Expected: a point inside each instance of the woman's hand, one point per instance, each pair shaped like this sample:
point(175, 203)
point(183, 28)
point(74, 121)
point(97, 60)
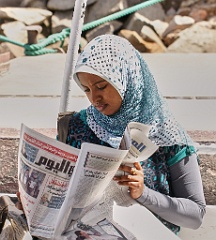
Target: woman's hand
point(19, 204)
point(134, 179)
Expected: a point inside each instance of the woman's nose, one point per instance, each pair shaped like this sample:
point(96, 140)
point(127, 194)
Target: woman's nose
point(95, 97)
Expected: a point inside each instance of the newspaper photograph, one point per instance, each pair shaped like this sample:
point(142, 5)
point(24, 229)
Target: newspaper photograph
point(103, 229)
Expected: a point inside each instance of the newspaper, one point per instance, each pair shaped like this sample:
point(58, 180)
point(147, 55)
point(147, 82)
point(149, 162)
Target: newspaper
point(66, 191)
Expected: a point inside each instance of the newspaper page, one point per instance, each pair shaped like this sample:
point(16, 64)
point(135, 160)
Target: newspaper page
point(95, 168)
point(45, 167)
point(136, 140)
point(91, 209)
point(62, 186)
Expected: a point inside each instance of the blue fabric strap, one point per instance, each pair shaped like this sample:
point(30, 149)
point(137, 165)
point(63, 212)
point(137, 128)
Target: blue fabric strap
point(186, 151)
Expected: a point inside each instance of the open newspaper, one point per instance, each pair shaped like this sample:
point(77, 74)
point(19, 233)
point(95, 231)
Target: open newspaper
point(67, 192)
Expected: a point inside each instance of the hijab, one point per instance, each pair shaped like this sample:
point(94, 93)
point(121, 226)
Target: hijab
point(114, 59)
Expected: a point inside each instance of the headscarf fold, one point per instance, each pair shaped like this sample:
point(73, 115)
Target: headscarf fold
point(119, 63)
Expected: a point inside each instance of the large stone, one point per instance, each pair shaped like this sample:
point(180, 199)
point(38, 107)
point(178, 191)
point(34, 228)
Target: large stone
point(29, 16)
point(61, 20)
point(171, 37)
point(106, 28)
point(17, 36)
point(189, 3)
point(64, 5)
point(209, 8)
point(136, 22)
point(135, 39)
point(133, 2)
point(16, 32)
point(179, 22)
point(200, 38)
point(153, 12)
point(148, 34)
point(34, 3)
point(159, 27)
point(4, 62)
point(10, 3)
point(184, 11)
point(83, 43)
point(199, 15)
point(168, 4)
point(139, 43)
point(208, 172)
point(8, 165)
point(104, 8)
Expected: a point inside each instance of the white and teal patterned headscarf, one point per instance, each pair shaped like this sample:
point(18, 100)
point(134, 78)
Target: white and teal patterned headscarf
point(118, 62)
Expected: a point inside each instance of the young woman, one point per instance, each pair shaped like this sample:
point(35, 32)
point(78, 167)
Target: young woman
point(121, 89)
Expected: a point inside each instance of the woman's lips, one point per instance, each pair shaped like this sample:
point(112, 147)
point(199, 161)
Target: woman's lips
point(101, 107)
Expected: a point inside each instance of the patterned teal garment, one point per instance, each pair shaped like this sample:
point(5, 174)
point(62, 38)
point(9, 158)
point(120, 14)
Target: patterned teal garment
point(156, 169)
point(114, 59)
point(118, 62)
point(80, 132)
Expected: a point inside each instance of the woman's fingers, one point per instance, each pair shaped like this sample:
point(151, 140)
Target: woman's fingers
point(138, 166)
point(18, 195)
point(130, 171)
point(19, 204)
point(133, 179)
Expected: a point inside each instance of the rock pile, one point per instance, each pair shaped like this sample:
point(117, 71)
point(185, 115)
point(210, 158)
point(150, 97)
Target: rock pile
point(169, 26)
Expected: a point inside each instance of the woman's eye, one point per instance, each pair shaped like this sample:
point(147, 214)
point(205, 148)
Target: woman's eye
point(101, 87)
point(86, 90)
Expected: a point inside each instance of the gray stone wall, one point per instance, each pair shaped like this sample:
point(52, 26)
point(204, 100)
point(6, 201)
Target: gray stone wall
point(8, 169)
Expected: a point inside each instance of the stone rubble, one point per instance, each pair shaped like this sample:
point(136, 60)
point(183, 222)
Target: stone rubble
point(169, 26)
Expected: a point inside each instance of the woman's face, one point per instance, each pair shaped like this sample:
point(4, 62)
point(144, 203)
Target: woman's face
point(44, 198)
point(102, 95)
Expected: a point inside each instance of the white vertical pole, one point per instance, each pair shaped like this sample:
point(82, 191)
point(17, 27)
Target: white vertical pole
point(72, 52)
